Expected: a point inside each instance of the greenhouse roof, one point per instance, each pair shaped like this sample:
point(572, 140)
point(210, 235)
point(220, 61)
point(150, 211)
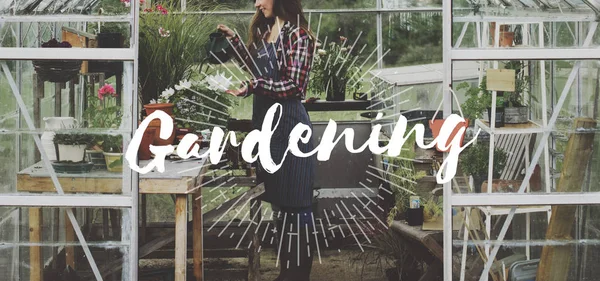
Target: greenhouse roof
point(30, 7)
point(427, 73)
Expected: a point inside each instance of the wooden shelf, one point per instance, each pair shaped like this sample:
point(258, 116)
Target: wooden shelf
point(501, 211)
point(347, 105)
point(526, 128)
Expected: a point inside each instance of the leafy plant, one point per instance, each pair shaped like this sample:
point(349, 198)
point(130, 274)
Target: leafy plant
point(102, 110)
point(170, 46)
point(478, 99)
point(475, 159)
point(67, 138)
point(334, 69)
point(201, 105)
point(112, 143)
point(516, 98)
point(432, 208)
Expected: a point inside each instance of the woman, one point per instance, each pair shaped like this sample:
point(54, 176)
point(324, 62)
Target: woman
point(279, 56)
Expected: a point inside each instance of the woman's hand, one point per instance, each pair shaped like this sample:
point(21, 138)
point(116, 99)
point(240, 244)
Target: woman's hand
point(238, 92)
point(225, 30)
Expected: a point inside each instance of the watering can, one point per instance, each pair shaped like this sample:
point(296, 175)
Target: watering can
point(216, 48)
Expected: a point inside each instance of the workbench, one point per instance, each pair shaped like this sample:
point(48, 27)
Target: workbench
point(181, 179)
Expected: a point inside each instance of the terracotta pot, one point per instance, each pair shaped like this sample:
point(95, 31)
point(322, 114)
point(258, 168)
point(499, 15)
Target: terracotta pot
point(147, 139)
point(157, 140)
point(506, 36)
point(436, 125)
point(166, 107)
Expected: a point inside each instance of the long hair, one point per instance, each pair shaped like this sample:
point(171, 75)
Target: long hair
point(288, 10)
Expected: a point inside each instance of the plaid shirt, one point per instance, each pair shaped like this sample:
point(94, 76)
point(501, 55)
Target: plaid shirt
point(294, 56)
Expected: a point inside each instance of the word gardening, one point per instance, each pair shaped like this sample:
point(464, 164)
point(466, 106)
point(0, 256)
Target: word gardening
point(303, 133)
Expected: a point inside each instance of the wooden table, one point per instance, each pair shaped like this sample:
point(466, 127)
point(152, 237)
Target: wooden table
point(180, 179)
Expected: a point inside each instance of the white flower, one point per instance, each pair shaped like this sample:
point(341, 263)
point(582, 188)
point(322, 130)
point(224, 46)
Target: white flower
point(183, 84)
point(127, 4)
point(344, 49)
point(218, 82)
point(167, 93)
point(152, 101)
point(318, 45)
point(322, 52)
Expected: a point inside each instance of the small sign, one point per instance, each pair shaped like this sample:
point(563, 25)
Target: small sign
point(501, 80)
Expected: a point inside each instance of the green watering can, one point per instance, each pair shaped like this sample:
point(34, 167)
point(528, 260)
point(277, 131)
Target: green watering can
point(217, 48)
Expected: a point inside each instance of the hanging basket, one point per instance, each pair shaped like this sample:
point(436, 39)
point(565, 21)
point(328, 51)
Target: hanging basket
point(57, 71)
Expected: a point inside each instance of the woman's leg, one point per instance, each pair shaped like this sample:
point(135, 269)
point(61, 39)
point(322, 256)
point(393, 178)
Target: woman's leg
point(295, 248)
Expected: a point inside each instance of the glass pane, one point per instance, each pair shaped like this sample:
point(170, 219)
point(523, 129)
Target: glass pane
point(564, 244)
point(521, 23)
point(42, 241)
point(63, 7)
point(81, 117)
point(525, 104)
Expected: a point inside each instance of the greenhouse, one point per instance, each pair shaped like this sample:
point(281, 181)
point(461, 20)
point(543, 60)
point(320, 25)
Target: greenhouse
point(171, 140)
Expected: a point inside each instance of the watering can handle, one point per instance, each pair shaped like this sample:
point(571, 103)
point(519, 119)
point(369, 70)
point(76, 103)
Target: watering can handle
point(441, 102)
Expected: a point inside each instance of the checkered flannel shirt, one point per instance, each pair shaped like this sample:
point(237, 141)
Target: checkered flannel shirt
point(295, 52)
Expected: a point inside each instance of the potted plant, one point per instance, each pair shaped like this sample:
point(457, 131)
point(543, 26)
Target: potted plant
point(432, 208)
point(71, 146)
point(202, 105)
point(479, 99)
point(113, 152)
point(475, 162)
point(334, 71)
point(102, 112)
point(58, 71)
point(516, 110)
point(162, 103)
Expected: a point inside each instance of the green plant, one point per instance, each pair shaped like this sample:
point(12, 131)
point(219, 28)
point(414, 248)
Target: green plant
point(102, 110)
point(334, 69)
point(112, 143)
point(478, 99)
point(68, 138)
point(475, 160)
point(433, 207)
point(202, 105)
point(516, 98)
point(170, 46)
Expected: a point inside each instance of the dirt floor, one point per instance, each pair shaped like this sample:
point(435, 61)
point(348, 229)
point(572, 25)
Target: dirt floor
point(344, 265)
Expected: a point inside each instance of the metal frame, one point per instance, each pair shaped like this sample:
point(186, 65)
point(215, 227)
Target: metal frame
point(488, 54)
point(129, 198)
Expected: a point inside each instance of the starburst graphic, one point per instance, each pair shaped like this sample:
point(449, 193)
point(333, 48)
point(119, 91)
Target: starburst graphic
point(352, 217)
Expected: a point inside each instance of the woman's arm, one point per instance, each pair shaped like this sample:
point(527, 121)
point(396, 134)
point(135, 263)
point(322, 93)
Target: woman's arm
point(295, 61)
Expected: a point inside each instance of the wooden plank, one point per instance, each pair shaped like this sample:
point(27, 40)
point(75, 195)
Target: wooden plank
point(424, 237)
point(165, 186)
point(69, 185)
point(69, 237)
point(57, 100)
point(72, 98)
point(501, 80)
point(35, 252)
point(253, 252)
point(197, 229)
point(241, 198)
point(180, 237)
point(38, 94)
point(555, 260)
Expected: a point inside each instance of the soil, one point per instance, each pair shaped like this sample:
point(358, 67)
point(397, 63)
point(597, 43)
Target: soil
point(343, 265)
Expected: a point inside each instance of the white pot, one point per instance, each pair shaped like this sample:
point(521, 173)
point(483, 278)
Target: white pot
point(75, 153)
point(50, 125)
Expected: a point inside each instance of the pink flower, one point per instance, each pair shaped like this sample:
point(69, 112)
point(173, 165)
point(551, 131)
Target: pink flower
point(342, 38)
point(106, 90)
point(161, 9)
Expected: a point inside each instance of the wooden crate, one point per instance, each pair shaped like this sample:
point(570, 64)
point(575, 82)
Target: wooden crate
point(79, 39)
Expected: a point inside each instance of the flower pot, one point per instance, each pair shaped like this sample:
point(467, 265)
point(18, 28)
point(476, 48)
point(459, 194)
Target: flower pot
point(499, 116)
point(74, 153)
point(147, 139)
point(436, 126)
point(97, 158)
point(516, 115)
point(478, 181)
point(166, 107)
point(157, 140)
point(50, 124)
point(114, 161)
point(336, 91)
point(506, 36)
point(414, 216)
